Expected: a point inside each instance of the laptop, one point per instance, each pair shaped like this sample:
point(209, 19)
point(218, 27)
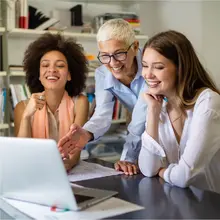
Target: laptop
point(32, 170)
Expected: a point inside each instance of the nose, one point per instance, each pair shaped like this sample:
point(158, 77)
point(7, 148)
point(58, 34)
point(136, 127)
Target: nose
point(52, 68)
point(147, 73)
point(113, 61)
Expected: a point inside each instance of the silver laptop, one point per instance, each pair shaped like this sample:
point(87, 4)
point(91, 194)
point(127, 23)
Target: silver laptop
point(32, 170)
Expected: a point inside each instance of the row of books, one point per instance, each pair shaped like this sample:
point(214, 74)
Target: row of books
point(119, 112)
point(18, 93)
point(2, 104)
point(15, 13)
point(131, 17)
point(18, 14)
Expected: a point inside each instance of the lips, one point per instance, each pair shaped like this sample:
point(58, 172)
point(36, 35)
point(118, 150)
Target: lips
point(153, 84)
point(117, 69)
point(52, 77)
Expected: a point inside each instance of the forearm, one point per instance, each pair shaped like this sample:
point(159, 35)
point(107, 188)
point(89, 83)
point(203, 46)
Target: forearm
point(100, 122)
point(153, 123)
point(152, 157)
point(25, 129)
point(149, 163)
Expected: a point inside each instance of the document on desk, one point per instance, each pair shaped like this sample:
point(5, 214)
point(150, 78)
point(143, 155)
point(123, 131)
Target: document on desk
point(85, 170)
point(108, 208)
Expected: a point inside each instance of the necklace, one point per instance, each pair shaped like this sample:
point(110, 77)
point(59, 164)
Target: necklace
point(177, 118)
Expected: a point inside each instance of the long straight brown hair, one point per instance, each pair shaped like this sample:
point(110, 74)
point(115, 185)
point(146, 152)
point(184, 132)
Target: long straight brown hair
point(192, 78)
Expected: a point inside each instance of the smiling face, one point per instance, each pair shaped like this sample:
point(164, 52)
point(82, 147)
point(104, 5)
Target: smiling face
point(119, 69)
point(159, 73)
point(54, 70)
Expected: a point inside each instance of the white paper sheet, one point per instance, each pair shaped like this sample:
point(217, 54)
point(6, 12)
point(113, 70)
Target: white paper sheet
point(85, 171)
point(108, 208)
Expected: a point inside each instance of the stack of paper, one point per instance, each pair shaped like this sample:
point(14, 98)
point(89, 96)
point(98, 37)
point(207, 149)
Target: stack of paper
point(85, 170)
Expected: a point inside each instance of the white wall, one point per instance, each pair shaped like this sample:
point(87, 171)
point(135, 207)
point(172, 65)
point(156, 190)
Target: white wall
point(211, 37)
point(198, 20)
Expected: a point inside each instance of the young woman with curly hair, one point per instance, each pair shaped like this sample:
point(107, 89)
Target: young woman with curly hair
point(56, 71)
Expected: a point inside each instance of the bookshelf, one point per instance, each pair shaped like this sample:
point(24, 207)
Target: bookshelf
point(27, 33)
point(3, 73)
point(21, 73)
point(119, 121)
point(2, 30)
point(4, 126)
point(16, 41)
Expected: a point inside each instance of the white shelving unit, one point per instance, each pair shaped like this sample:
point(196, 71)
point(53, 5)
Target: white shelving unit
point(21, 73)
point(119, 121)
point(3, 73)
point(4, 126)
point(91, 74)
point(2, 30)
point(18, 73)
point(16, 40)
point(27, 33)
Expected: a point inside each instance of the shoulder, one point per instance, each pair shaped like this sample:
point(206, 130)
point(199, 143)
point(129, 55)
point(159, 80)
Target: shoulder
point(20, 107)
point(81, 99)
point(101, 71)
point(208, 100)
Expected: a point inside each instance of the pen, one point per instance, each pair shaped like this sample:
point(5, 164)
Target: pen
point(55, 209)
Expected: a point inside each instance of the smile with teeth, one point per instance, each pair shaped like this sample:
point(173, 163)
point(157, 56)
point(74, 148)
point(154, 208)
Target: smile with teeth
point(52, 77)
point(153, 84)
point(117, 68)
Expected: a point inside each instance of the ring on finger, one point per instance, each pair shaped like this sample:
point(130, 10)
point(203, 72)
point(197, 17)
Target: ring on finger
point(41, 97)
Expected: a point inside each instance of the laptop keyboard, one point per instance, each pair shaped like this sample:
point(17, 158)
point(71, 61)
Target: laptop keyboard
point(80, 198)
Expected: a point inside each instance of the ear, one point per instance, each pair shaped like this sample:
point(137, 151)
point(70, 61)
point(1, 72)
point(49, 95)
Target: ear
point(68, 77)
point(136, 46)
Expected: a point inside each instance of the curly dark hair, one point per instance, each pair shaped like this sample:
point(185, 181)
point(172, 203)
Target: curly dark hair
point(77, 62)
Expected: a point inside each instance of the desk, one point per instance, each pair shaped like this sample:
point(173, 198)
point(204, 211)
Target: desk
point(160, 199)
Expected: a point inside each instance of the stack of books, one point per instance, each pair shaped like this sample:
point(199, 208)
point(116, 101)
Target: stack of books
point(2, 104)
point(130, 17)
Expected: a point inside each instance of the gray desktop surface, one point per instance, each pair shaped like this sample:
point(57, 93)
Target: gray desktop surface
point(160, 199)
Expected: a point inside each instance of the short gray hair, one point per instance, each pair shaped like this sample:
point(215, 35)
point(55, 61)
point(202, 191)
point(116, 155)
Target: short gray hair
point(117, 29)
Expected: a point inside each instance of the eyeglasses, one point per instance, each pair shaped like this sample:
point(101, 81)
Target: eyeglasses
point(120, 56)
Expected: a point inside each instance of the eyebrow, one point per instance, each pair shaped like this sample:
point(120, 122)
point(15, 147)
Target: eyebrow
point(119, 50)
point(56, 61)
point(153, 62)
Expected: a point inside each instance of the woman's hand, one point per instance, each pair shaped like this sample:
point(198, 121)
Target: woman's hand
point(127, 167)
point(74, 140)
point(161, 172)
point(153, 101)
point(71, 160)
point(37, 101)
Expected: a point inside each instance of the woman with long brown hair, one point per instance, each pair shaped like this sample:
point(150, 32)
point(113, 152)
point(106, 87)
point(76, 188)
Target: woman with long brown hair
point(181, 142)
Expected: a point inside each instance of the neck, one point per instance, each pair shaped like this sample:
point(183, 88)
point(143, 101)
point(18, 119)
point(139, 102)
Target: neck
point(53, 99)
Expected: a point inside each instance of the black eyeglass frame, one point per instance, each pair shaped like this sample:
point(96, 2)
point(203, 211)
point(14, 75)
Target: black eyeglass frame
point(113, 55)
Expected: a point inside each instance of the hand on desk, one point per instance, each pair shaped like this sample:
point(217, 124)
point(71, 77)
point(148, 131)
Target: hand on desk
point(127, 167)
point(71, 160)
point(74, 140)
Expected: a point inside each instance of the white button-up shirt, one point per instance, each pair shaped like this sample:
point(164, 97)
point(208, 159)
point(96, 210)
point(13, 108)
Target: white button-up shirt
point(196, 160)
